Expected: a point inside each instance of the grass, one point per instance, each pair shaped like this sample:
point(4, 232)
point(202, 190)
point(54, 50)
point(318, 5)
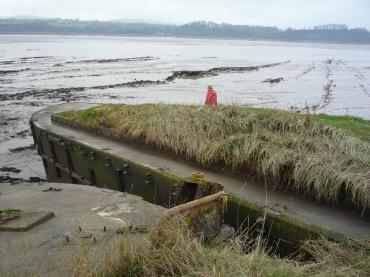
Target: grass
point(353, 126)
point(174, 251)
point(321, 156)
point(9, 210)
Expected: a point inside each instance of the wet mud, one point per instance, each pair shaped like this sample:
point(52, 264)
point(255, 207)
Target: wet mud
point(364, 86)
point(4, 120)
point(24, 60)
point(327, 89)
point(305, 72)
point(22, 148)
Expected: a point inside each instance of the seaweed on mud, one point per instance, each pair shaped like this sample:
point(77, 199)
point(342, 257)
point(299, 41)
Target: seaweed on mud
point(325, 98)
point(135, 59)
point(66, 93)
point(22, 148)
point(6, 120)
point(8, 179)
point(5, 72)
point(23, 60)
point(197, 74)
point(36, 58)
point(273, 80)
point(9, 169)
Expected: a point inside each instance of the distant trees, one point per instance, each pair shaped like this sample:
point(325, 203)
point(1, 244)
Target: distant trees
point(331, 27)
point(321, 33)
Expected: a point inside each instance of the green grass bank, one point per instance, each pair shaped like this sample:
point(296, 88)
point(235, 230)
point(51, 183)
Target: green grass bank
point(325, 157)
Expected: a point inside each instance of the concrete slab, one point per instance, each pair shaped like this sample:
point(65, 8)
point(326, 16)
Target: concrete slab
point(25, 221)
point(86, 218)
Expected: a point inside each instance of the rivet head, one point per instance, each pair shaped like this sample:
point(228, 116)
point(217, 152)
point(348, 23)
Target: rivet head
point(149, 178)
point(93, 156)
point(108, 162)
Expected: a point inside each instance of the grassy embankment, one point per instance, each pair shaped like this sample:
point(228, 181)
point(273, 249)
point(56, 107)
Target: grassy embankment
point(327, 157)
point(173, 251)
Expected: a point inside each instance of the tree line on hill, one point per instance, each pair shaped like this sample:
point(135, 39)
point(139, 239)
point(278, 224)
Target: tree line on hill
point(338, 33)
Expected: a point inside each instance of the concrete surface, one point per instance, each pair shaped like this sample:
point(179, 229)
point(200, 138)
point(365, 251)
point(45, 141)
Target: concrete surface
point(84, 217)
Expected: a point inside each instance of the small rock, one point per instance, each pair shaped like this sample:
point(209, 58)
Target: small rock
point(226, 232)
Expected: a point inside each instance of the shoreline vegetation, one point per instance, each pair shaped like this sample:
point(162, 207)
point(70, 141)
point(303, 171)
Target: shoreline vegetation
point(330, 33)
point(172, 250)
point(324, 157)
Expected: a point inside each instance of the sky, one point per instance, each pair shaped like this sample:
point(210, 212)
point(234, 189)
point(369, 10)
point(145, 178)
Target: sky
point(280, 13)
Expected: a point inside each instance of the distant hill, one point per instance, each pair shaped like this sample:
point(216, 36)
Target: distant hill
point(324, 33)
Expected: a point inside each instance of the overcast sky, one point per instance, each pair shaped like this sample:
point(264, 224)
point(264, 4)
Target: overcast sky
point(280, 13)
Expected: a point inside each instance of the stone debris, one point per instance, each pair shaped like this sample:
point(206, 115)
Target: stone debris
point(52, 189)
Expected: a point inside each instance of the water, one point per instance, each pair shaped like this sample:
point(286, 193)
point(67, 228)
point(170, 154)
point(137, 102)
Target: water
point(324, 78)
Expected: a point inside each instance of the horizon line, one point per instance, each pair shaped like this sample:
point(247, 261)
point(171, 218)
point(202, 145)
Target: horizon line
point(159, 22)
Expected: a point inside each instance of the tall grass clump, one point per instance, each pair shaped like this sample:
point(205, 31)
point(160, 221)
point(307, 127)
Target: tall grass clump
point(174, 251)
point(300, 153)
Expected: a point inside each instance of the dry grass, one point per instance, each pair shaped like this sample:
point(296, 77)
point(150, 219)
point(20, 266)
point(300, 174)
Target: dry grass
point(175, 252)
point(298, 152)
point(348, 258)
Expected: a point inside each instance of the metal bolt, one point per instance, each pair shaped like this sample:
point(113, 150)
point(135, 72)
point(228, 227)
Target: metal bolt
point(108, 162)
point(149, 178)
point(93, 156)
